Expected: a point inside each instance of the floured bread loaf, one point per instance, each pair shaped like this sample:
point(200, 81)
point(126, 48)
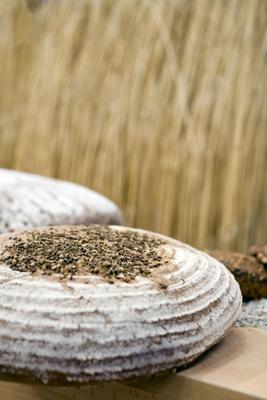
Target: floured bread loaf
point(98, 303)
point(30, 200)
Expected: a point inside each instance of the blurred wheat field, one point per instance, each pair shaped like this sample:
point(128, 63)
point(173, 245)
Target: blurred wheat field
point(159, 104)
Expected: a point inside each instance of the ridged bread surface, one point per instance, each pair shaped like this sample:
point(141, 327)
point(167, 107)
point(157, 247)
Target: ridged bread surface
point(28, 200)
point(88, 329)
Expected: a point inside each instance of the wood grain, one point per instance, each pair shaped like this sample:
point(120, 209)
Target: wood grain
point(236, 367)
point(234, 370)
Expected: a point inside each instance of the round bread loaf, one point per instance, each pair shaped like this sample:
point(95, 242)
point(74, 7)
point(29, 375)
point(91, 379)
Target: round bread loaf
point(28, 200)
point(83, 303)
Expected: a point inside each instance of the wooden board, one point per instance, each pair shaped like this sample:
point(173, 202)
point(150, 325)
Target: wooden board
point(236, 369)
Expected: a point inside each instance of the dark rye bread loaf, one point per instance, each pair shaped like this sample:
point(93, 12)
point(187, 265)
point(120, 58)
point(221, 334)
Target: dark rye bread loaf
point(98, 303)
point(248, 271)
point(260, 252)
point(28, 200)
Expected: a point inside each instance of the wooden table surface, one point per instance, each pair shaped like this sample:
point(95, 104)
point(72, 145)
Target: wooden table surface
point(235, 369)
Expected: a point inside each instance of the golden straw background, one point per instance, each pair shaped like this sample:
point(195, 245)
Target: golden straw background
point(159, 104)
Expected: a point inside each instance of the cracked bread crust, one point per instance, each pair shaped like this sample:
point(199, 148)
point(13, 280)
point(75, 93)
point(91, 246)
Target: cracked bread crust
point(260, 252)
point(248, 271)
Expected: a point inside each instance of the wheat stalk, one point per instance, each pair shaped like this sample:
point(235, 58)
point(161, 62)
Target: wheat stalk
point(160, 105)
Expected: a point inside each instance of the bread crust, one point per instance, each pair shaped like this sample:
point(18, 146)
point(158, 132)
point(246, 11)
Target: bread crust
point(28, 200)
point(87, 329)
point(260, 252)
point(248, 271)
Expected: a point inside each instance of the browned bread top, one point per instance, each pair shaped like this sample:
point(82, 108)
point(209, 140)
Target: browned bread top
point(248, 271)
point(260, 252)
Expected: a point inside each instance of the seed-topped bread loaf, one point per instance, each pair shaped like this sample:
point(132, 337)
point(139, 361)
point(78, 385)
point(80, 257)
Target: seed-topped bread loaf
point(28, 200)
point(83, 303)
